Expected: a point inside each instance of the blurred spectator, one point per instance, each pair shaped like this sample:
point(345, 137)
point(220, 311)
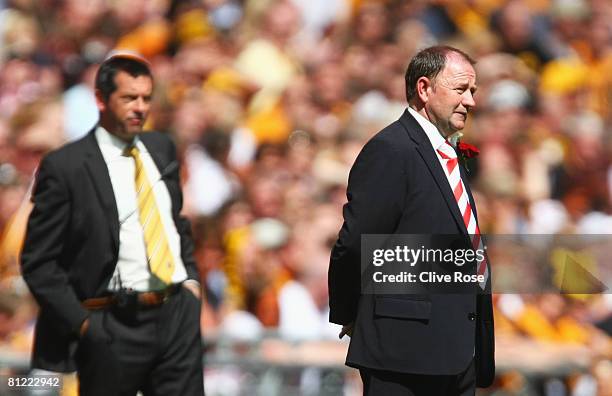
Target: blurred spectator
point(210, 163)
point(523, 33)
point(80, 110)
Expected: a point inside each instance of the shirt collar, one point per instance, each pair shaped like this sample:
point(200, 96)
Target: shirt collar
point(110, 143)
point(434, 136)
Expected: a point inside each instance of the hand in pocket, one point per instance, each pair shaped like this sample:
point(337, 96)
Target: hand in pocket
point(95, 331)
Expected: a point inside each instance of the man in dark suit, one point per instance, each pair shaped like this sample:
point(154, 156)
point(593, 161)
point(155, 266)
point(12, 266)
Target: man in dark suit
point(407, 180)
point(107, 255)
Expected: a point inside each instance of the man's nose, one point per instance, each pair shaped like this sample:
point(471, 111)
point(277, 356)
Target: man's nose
point(141, 105)
point(468, 99)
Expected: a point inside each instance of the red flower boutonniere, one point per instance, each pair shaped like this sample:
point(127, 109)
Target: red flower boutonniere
point(466, 152)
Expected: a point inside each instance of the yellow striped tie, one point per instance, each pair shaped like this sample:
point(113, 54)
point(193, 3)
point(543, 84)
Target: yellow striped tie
point(161, 262)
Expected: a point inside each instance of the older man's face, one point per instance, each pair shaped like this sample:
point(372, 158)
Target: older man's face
point(451, 95)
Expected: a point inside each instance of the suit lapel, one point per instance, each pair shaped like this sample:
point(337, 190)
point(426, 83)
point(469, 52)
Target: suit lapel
point(163, 165)
point(98, 172)
point(426, 152)
point(464, 177)
point(155, 153)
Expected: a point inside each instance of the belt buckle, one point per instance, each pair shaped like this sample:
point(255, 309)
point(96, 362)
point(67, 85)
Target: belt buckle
point(126, 299)
point(121, 298)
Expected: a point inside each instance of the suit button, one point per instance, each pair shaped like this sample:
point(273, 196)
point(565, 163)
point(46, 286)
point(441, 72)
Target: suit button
point(471, 316)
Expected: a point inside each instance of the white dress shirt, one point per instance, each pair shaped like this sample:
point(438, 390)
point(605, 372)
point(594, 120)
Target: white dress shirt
point(436, 139)
point(132, 270)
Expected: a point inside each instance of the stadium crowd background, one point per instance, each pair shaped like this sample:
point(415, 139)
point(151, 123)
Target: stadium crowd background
point(269, 103)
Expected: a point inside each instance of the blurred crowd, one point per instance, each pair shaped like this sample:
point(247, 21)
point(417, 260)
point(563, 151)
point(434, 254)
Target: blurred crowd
point(270, 101)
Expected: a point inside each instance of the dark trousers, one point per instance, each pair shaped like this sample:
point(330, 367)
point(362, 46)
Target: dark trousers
point(387, 383)
point(156, 350)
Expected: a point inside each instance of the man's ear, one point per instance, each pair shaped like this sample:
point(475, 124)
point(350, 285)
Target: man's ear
point(100, 101)
point(423, 88)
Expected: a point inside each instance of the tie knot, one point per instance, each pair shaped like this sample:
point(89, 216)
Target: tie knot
point(131, 151)
point(447, 151)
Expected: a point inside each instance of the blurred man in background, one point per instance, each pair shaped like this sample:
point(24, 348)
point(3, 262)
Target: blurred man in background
point(108, 256)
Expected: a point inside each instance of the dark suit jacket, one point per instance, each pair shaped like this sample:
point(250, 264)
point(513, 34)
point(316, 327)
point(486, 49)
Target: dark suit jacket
point(397, 186)
point(72, 240)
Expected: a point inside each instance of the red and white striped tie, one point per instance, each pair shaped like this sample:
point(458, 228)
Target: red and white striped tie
point(449, 157)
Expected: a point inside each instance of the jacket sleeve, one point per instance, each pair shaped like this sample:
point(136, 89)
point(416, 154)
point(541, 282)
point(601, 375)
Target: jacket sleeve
point(376, 193)
point(43, 248)
point(187, 248)
point(183, 226)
